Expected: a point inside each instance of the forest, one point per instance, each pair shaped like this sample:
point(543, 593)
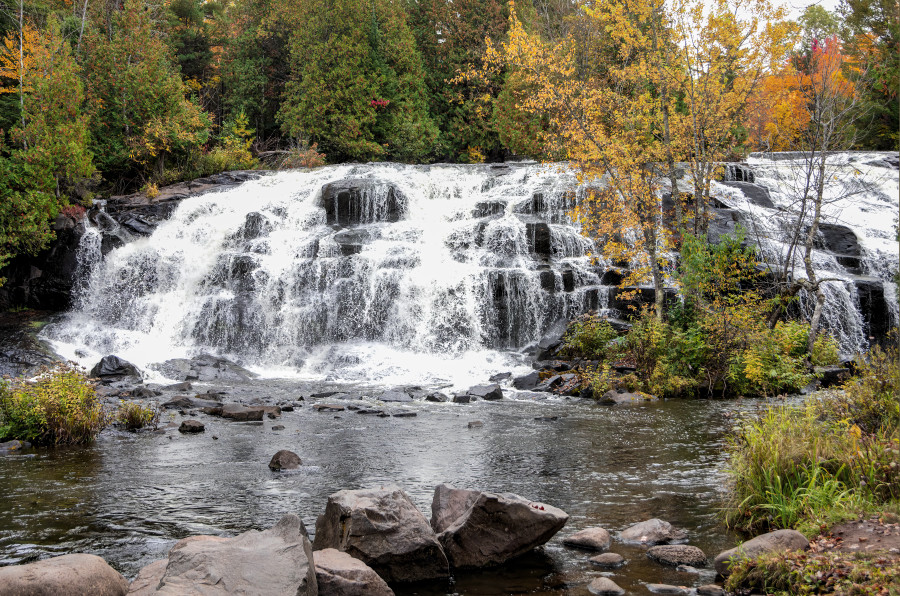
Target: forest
point(98, 98)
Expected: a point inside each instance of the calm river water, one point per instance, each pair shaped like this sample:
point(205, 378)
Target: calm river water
point(129, 497)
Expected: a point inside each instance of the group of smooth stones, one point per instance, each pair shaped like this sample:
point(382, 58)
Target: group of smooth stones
point(364, 541)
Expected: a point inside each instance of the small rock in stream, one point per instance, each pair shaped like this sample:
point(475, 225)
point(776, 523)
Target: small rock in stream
point(476, 424)
point(666, 589)
point(191, 426)
point(285, 460)
point(603, 586)
point(277, 427)
point(608, 560)
point(589, 539)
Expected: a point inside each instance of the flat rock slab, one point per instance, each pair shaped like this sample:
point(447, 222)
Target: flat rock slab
point(275, 561)
point(677, 554)
point(779, 540)
point(495, 528)
point(339, 574)
point(184, 402)
point(383, 529)
point(237, 412)
point(710, 590)
point(68, 575)
point(148, 578)
point(589, 539)
point(486, 392)
point(650, 532)
point(615, 398)
point(395, 396)
point(667, 589)
point(328, 408)
point(608, 560)
point(603, 586)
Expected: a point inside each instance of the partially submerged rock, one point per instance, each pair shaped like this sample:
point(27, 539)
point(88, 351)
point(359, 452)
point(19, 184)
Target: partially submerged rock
point(603, 586)
point(382, 528)
point(608, 560)
point(589, 539)
point(285, 460)
point(493, 528)
point(68, 575)
point(650, 532)
point(677, 554)
point(779, 540)
point(339, 574)
point(191, 426)
point(112, 368)
point(275, 561)
point(237, 412)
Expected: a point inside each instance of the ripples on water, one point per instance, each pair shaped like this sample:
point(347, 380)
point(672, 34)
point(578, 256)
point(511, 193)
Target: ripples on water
point(129, 497)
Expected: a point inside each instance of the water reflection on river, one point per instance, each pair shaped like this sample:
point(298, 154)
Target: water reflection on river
point(130, 496)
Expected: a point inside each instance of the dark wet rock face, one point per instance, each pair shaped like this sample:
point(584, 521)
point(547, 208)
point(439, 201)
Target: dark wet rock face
point(355, 201)
point(68, 575)
point(383, 529)
point(111, 369)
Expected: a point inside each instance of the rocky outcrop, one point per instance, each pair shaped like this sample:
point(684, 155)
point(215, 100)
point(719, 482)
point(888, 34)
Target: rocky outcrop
point(650, 532)
point(354, 201)
point(275, 561)
point(204, 368)
point(68, 575)
point(779, 540)
point(339, 574)
point(383, 529)
point(494, 528)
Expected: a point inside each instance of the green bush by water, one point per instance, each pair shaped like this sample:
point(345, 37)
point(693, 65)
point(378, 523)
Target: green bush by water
point(59, 407)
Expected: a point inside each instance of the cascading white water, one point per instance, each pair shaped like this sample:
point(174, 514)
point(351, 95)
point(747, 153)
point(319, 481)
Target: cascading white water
point(859, 216)
point(425, 273)
point(400, 274)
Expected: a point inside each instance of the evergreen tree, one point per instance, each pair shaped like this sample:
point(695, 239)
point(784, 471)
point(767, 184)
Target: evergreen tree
point(139, 109)
point(357, 83)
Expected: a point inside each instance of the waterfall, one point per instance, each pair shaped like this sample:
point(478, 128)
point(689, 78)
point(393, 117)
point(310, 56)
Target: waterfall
point(321, 272)
point(396, 273)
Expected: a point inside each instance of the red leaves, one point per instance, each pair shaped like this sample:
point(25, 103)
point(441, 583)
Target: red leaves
point(379, 103)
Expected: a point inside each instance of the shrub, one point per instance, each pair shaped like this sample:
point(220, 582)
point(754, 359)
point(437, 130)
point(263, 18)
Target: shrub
point(590, 337)
point(303, 157)
point(825, 352)
point(773, 362)
point(134, 416)
point(59, 407)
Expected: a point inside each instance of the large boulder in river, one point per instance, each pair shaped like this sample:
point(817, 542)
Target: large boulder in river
point(339, 574)
point(486, 392)
point(275, 561)
point(112, 368)
point(650, 532)
point(779, 540)
point(68, 575)
point(493, 528)
point(383, 529)
point(285, 460)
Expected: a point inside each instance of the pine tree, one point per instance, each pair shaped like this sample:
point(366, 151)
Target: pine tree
point(357, 83)
point(140, 113)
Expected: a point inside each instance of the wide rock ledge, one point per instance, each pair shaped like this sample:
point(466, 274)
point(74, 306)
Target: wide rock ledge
point(383, 529)
point(275, 561)
point(494, 528)
point(68, 575)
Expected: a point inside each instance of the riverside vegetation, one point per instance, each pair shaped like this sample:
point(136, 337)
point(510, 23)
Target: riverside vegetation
point(61, 407)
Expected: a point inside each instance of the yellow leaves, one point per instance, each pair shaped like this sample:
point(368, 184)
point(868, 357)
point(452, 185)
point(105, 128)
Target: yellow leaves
point(13, 65)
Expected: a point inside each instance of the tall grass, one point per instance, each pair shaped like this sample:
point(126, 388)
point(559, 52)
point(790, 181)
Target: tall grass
point(806, 466)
